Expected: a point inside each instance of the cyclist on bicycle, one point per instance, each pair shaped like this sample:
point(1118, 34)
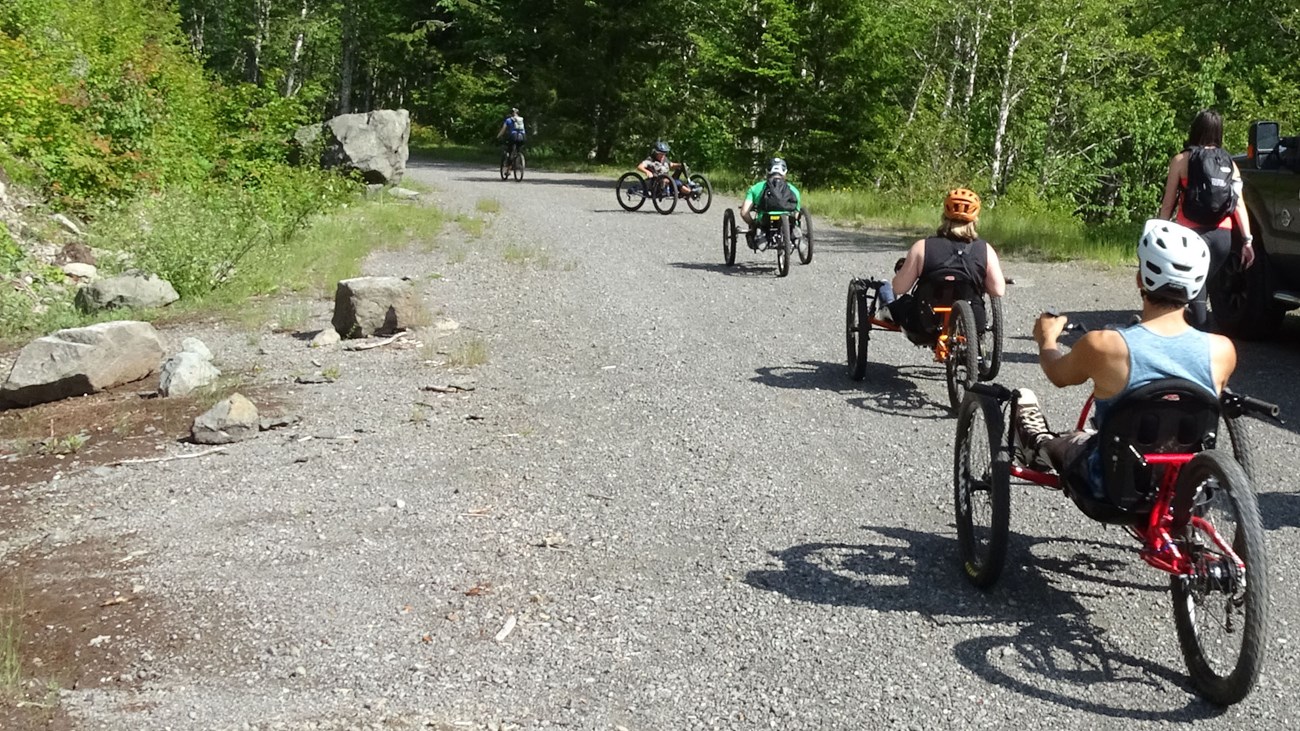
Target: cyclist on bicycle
point(955, 256)
point(658, 164)
point(512, 128)
point(772, 194)
point(1173, 264)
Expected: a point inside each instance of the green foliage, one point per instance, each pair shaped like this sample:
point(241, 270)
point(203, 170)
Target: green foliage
point(201, 238)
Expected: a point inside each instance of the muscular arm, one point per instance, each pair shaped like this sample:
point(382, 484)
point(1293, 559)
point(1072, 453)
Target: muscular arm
point(1170, 197)
point(644, 170)
point(1100, 356)
point(1223, 360)
point(913, 263)
point(994, 281)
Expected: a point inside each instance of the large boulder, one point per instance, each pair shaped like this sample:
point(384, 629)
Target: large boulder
point(82, 360)
point(128, 290)
point(372, 143)
point(231, 420)
point(367, 306)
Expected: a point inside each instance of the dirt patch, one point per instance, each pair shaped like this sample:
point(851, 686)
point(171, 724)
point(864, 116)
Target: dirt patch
point(70, 617)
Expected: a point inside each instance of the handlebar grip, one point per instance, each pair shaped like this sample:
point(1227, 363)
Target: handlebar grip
point(1263, 407)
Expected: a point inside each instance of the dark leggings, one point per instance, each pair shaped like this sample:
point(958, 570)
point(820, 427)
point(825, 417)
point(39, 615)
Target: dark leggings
point(1220, 242)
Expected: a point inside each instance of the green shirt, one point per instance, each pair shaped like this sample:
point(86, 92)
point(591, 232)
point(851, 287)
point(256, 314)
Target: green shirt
point(756, 192)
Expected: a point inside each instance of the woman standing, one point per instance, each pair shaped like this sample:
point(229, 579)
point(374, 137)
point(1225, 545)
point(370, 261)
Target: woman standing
point(1210, 169)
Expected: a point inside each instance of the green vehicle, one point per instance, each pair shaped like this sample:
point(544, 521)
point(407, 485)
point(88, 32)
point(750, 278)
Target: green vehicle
point(1250, 303)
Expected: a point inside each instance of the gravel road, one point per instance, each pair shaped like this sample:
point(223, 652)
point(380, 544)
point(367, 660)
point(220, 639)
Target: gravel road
point(664, 506)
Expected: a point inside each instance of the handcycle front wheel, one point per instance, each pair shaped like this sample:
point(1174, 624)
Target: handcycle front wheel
point(806, 239)
point(701, 196)
point(783, 249)
point(1221, 612)
point(990, 344)
point(631, 191)
point(663, 193)
point(981, 490)
point(518, 166)
point(729, 237)
point(858, 311)
point(962, 364)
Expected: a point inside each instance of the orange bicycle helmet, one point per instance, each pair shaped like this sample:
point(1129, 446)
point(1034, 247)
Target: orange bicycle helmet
point(962, 205)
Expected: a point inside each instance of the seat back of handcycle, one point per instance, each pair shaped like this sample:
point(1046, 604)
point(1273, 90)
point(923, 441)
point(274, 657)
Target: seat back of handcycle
point(1169, 416)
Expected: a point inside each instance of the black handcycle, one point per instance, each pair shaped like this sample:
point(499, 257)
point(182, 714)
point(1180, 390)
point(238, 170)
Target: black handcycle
point(664, 190)
point(786, 232)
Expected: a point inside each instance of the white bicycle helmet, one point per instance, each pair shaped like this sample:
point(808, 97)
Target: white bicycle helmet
point(1173, 260)
point(776, 166)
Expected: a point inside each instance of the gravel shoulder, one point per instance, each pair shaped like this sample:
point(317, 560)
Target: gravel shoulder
point(663, 506)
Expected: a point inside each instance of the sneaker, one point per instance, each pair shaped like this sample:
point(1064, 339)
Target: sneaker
point(883, 314)
point(1032, 432)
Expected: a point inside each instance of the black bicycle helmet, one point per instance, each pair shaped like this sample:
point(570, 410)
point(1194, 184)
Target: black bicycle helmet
point(661, 146)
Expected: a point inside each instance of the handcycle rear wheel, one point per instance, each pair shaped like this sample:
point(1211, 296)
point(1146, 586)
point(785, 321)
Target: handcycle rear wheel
point(631, 191)
point(729, 237)
point(981, 490)
point(663, 191)
point(1221, 614)
point(783, 250)
point(858, 311)
point(962, 364)
point(990, 354)
point(518, 166)
point(806, 236)
point(701, 196)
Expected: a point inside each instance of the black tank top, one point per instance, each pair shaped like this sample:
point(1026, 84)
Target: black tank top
point(946, 259)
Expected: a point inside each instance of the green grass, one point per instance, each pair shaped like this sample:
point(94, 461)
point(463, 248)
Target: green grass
point(471, 225)
point(488, 205)
point(468, 354)
point(524, 255)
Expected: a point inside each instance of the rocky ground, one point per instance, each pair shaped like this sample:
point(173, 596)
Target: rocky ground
point(629, 489)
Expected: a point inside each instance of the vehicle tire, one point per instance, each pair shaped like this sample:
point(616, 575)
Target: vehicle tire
point(701, 194)
point(519, 166)
point(1222, 670)
point(981, 490)
point(962, 365)
point(1239, 437)
point(663, 192)
point(729, 237)
point(783, 248)
point(806, 240)
point(505, 166)
point(631, 191)
point(1242, 299)
point(858, 311)
point(990, 355)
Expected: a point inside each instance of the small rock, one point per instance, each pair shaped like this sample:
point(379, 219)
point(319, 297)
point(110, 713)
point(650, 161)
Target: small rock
point(185, 372)
point(327, 337)
point(129, 290)
point(80, 271)
point(277, 422)
point(446, 324)
point(197, 347)
point(403, 193)
point(317, 377)
point(231, 420)
point(399, 504)
point(67, 224)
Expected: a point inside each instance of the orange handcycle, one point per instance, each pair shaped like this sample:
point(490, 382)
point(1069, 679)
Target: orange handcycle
point(1157, 472)
point(968, 353)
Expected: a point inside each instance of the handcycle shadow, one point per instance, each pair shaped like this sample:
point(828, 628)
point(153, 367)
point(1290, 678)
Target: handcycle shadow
point(1055, 646)
point(736, 270)
point(892, 390)
point(1279, 510)
point(892, 393)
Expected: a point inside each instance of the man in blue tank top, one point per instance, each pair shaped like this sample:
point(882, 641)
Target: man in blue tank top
point(1173, 262)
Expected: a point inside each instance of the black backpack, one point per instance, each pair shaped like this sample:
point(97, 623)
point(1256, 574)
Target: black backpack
point(1209, 196)
point(777, 196)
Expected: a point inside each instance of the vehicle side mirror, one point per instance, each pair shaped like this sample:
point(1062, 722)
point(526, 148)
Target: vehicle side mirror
point(1264, 138)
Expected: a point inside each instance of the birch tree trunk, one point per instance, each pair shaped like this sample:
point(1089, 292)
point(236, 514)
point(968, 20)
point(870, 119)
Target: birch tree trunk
point(295, 55)
point(1007, 100)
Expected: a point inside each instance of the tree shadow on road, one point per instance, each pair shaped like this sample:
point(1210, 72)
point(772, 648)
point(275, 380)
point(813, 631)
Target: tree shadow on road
point(1044, 646)
point(538, 178)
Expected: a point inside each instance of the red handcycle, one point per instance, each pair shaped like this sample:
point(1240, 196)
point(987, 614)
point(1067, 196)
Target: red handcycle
point(1190, 505)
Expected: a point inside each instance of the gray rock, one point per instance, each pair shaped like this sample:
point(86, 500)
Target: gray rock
point(373, 143)
point(82, 360)
point(367, 306)
point(80, 271)
point(127, 290)
point(197, 347)
point(325, 338)
point(231, 420)
point(404, 193)
point(185, 372)
point(67, 224)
